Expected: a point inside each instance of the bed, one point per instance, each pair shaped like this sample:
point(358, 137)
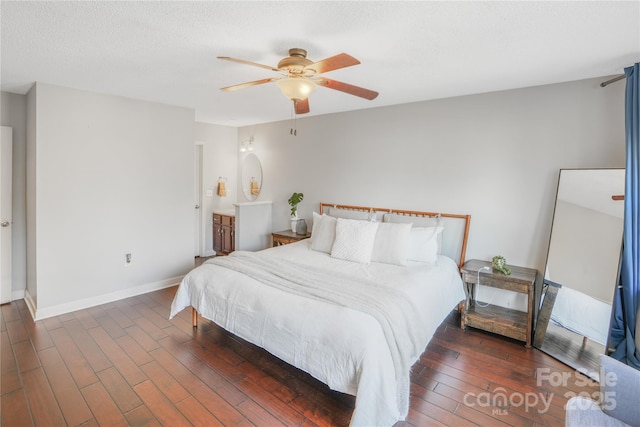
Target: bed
point(354, 306)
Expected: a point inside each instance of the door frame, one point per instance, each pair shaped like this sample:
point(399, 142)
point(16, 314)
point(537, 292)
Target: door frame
point(6, 163)
point(198, 191)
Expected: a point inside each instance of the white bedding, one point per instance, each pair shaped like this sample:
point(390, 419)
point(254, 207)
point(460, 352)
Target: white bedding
point(582, 314)
point(351, 350)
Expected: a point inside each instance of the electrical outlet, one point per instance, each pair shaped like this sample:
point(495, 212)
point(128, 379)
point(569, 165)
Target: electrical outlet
point(127, 258)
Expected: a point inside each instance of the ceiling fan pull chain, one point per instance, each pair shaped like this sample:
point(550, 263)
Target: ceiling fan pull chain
point(293, 131)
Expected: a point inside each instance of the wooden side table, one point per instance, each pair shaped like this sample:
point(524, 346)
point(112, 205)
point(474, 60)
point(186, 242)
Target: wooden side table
point(287, 236)
point(499, 320)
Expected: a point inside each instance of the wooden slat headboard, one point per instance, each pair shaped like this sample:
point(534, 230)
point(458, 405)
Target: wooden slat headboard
point(454, 236)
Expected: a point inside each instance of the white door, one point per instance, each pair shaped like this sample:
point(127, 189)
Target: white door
point(197, 193)
point(6, 147)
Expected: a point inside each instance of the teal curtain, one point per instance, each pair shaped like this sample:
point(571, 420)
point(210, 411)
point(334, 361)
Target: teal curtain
point(624, 331)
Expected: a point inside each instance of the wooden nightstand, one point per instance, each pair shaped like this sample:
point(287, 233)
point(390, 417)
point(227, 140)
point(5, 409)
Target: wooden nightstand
point(287, 236)
point(499, 320)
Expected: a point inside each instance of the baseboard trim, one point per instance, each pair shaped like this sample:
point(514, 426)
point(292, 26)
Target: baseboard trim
point(56, 310)
point(28, 299)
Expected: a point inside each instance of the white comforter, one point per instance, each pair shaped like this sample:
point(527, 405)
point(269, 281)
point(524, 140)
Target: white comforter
point(355, 341)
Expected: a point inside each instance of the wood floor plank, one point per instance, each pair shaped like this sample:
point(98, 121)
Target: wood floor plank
point(14, 409)
point(150, 328)
point(86, 319)
point(88, 348)
point(104, 409)
point(130, 346)
point(418, 419)
point(121, 361)
point(258, 415)
point(38, 334)
point(165, 382)
point(17, 331)
point(9, 371)
point(44, 409)
point(219, 382)
point(121, 318)
point(52, 323)
point(142, 416)
point(216, 361)
point(204, 392)
point(278, 408)
point(142, 338)
point(441, 415)
point(74, 409)
point(159, 405)
point(197, 414)
point(10, 312)
point(111, 327)
point(120, 391)
point(79, 367)
point(26, 356)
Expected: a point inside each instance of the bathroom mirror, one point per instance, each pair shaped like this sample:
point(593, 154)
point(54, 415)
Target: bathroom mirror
point(582, 267)
point(251, 176)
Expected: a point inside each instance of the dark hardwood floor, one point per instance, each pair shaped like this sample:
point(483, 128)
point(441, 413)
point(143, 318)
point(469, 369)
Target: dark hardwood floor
point(125, 363)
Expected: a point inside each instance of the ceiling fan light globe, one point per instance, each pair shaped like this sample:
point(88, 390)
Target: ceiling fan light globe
point(296, 88)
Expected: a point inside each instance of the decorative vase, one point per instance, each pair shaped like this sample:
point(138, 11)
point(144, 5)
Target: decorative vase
point(301, 227)
point(294, 222)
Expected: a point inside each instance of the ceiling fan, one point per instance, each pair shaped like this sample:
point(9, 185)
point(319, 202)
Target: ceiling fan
point(301, 76)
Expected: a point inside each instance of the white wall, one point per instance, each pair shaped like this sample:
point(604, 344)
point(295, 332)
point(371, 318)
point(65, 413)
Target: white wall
point(14, 113)
point(112, 176)
point(495, 156)
point(219, 159)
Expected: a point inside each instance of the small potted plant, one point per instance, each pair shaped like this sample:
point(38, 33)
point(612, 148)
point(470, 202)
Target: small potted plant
point(294, 200)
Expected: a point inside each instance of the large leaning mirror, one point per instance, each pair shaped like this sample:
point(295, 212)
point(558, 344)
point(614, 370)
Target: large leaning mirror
point(582, 267)
point(251, 176)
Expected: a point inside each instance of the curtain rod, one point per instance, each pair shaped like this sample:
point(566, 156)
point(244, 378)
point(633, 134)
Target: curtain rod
point(613, 80)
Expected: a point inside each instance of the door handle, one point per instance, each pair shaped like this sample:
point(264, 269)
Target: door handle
point(5, 223)
point(197, 206)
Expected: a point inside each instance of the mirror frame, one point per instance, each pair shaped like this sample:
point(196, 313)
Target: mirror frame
point(550, 289)
point(248, 174)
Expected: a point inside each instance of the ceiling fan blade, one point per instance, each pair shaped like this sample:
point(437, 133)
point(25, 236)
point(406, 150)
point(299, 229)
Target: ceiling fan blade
point(243, 85)
point(242, 61)
point(347, 88)
point(302, 106)
point(341, 60)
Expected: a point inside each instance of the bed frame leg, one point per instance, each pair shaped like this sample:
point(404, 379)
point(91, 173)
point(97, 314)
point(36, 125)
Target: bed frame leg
point(194, 317)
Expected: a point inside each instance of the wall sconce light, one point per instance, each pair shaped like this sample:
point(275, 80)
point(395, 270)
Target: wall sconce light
point(246, 145)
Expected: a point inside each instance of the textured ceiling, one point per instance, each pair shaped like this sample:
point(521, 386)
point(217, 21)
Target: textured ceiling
point(409, 51)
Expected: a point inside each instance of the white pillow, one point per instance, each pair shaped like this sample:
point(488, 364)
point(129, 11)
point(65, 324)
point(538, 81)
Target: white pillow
point(323, 233)
point(417, 221)
point(354, 240)
point(391, 244)
point(349, 214)
point(423, 244)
